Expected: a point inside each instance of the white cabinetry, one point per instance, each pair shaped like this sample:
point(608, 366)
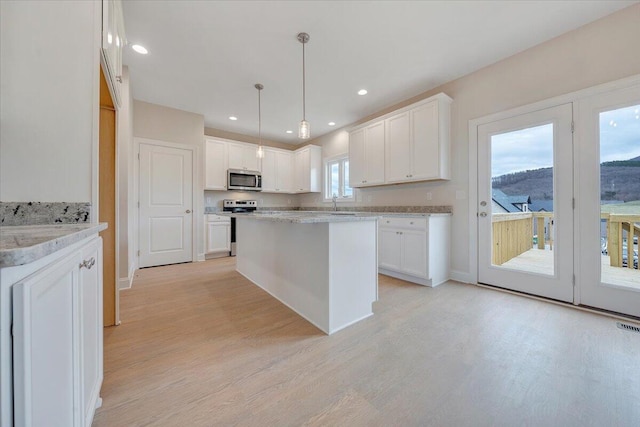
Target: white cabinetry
point(307, 170)
point(417, 143)
point(283, 171)
point(113, 43)
point(277, 171)
point(243, 156)
point(215, 165)
point(57, 339)
point(218, 234)
point(415, 249)
point(410, 144)
point(366, 156)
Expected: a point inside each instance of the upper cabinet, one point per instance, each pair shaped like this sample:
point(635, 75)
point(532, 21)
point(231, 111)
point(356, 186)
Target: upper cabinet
point(215, 177)
point(283, 171)
point(243, 156)
point(366, 155)
point(277, 171)
point(415, 145)
point(113, 43)
point(307, 169)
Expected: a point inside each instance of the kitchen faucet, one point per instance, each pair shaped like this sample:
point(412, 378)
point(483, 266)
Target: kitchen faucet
point(335, 200)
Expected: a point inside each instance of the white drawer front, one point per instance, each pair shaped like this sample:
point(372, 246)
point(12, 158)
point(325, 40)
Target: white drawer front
point(216, 218)
point(415, 223)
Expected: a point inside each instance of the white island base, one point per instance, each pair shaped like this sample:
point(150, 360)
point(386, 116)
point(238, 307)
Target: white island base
point(326, 272)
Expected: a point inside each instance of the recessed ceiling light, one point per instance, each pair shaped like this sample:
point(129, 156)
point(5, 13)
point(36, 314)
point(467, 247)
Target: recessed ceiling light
point(233, 118)
point(362, 92)
point(332, 123)
point(140, 49)
point(289, 131)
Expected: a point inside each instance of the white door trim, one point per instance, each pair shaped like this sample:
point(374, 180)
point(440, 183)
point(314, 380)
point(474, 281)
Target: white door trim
point(529, 108)
point(194, 188)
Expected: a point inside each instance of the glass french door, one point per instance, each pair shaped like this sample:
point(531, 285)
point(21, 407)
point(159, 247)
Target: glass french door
point(525, 196)
point(608, 209)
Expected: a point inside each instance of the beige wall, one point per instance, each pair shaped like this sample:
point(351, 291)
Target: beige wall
point(246, 138)
point(49, 81)
point(167, 124)
point(599, 52)
point(182, 127)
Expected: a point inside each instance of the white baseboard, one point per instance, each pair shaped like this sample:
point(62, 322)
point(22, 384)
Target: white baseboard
point(200, 257)
point(462, 276)
point(127, 282)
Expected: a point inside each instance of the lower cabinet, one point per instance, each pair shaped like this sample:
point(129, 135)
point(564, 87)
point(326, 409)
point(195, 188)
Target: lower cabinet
point(57, 341)
point(415, 249)
point(218, 235)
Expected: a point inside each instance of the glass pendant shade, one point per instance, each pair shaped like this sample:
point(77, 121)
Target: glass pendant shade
point(260, 152)
point(304, 132)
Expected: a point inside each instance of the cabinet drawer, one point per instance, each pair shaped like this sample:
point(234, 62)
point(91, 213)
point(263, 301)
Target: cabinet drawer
point(416, 223)
point(216, 218)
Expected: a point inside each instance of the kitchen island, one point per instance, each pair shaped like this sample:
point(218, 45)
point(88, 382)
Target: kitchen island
point(321, 265)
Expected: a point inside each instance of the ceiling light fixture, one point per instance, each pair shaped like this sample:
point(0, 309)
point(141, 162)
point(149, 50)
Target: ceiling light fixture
point(260, 151)
point(362, 92)
point(233, 118)
point(289, 131)
point(304, 132)
point(140, 49)
point(332, 123)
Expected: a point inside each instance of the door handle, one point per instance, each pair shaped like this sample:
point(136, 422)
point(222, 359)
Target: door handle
point(483, 214)
point(188, 211)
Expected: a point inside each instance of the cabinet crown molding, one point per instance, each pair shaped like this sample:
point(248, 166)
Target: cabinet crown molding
point(443, 97)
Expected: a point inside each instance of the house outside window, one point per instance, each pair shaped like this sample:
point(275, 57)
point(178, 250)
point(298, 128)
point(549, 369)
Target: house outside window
point(337, 179)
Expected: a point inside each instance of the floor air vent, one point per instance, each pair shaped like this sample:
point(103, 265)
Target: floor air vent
point(627, 327)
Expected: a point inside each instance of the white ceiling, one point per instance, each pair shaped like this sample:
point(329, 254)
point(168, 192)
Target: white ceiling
point(206, 56)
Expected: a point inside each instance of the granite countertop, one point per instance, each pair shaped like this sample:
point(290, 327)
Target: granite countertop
point(27, 243)
point(302, 217)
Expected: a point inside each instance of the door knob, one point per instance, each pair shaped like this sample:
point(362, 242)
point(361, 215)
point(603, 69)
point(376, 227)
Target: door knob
point(483, 214)
point(483, 203)
point(188, 211)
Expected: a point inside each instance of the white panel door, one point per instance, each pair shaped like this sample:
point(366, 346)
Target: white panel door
point(414, 253)
point(302, 172)
point(507, 151)
point(608, 201)
point(398, 148)
point(269, 171)
point(46, 339)
point(166, 205)
point(390, 249)
point(374, 139)
point(426, 142)
point(92, 327)
point(284, 172)
point(357, 159)
point(215, 165)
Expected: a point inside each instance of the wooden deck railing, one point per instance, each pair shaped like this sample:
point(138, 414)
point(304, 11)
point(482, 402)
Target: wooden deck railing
point(513, 235)
point(616, 224)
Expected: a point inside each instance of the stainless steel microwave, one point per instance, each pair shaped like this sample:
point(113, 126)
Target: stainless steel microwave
point(239, 179)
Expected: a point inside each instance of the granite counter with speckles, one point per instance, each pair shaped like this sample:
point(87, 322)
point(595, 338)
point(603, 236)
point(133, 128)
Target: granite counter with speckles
point(39, 213)
point(21, 245)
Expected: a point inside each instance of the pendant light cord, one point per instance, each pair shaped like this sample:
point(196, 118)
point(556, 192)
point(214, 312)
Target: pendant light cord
point(259, 119)
point(304, 98)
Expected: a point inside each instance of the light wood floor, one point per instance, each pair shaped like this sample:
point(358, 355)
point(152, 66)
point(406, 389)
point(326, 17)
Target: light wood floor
point(201, 345)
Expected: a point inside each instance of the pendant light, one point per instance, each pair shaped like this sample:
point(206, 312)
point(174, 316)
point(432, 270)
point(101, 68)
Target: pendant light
point(260, 151)
point(304, 132)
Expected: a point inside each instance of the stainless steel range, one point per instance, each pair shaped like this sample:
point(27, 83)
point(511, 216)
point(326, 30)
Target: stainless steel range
point(237, 206)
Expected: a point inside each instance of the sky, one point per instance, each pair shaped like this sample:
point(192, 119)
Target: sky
point(532, 148)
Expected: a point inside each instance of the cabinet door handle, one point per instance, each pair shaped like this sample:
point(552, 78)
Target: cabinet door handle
point(411, 223)
point(188, 211)
point(88, 263)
